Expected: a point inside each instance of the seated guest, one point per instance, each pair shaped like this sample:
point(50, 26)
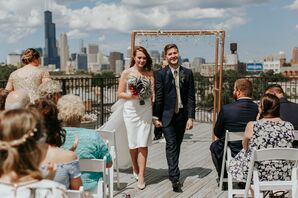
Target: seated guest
point(68, 167)
point(22, 149)
point(90, 146)
point(3, 96)
point(17, 100)
point(268, 132)
point(288, 109)
point(50, 90)
point(233, 117)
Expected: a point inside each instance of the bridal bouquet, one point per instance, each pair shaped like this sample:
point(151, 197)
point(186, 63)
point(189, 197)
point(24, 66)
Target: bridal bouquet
point(140, 86)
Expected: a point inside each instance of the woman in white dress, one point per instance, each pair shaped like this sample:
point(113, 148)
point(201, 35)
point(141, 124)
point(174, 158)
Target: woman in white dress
point(136, 87)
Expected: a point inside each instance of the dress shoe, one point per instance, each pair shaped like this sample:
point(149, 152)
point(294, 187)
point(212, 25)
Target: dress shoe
point(176, 186)
point(141, 186)
point(135, 175)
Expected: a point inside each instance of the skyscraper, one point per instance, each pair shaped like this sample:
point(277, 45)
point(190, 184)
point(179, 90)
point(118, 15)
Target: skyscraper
point(63, 51)
point(50, 51)
point(112, 59)
point(295, 56)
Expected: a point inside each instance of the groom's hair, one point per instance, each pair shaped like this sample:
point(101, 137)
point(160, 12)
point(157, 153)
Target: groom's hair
point(170, 46)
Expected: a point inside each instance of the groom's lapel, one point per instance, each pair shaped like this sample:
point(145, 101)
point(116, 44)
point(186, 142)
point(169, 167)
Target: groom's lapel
point(169, 81)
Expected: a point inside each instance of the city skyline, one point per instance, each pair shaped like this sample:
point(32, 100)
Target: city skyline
point(260, 28)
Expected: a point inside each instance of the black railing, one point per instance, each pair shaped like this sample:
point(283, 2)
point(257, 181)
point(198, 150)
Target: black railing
point(99, 94)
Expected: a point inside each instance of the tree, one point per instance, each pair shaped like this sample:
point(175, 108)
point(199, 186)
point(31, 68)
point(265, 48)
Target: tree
point(6, 70)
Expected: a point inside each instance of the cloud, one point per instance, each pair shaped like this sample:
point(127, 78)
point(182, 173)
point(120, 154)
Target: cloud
point(76, 34)
point(294, 5)
point(19, 19)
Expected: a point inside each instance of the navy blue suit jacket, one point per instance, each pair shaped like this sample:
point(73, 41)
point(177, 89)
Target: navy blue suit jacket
point(165, 94)
point(289, 112)
point(234, 118)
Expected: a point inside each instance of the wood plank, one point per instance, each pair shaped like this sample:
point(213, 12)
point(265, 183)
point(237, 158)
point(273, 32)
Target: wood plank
point(197, 171)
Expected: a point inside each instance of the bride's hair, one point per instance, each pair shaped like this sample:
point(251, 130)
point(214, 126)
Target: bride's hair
point(20, 133)
point(148, 64)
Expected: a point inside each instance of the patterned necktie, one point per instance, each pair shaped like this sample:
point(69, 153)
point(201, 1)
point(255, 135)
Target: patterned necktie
point(177, 91)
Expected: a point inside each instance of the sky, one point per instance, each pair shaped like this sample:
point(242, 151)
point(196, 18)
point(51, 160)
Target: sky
point(260, 27)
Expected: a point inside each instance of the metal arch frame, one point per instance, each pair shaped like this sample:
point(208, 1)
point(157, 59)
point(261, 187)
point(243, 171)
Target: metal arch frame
point(219, 57)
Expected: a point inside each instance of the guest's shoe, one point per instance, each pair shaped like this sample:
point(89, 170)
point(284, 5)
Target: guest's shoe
point(141, 186)
point(135, 175)
point(176, 186)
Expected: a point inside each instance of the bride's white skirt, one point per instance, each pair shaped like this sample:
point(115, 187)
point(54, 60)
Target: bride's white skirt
point(136, 128)
point(138, 122)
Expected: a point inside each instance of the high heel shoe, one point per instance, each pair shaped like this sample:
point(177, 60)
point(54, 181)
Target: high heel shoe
point(135, 175)
point(141, 186)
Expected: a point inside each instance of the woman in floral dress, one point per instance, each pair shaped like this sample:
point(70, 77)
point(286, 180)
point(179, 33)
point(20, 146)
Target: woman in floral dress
point(267, 132)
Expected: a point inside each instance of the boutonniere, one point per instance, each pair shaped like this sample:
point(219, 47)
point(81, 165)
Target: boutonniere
point(181, 76)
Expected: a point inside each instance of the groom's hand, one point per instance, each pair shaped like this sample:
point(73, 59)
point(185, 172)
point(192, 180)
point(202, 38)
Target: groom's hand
point(189, 124)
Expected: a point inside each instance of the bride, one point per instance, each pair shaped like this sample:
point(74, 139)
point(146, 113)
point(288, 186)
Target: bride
point(132, 113)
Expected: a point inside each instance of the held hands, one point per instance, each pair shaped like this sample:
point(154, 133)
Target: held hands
point(157, 123)
point(189, 124)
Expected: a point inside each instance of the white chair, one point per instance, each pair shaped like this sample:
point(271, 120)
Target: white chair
point(99, 166)
point(76, 193)
point(272, 154)
point(230, 136)
point(296, 134)
point(110, 136)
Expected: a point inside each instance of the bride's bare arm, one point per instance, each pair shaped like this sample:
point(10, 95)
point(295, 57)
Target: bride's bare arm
point(122, 87)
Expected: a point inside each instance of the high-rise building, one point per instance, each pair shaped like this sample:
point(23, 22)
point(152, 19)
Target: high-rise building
point(295, 56)
point(112, 59)
point(14, 59)
point(155, 56)
point(63, 51)
point(50, 51)
point(94, 64)
point(81, 61)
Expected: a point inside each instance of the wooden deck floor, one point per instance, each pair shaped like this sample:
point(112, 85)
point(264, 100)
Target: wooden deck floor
point(197, 171)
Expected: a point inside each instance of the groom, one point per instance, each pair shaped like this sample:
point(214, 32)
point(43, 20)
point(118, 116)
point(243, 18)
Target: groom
point(174, 108)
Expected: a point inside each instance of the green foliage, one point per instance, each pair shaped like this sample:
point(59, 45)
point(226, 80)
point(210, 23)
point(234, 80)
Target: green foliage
point(105, 79)
point(6, 70)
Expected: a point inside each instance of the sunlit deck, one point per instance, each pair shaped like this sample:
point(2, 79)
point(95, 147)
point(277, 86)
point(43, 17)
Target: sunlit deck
point(197, 171)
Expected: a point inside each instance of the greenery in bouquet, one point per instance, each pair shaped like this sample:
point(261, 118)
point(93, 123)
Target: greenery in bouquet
point(140, 86)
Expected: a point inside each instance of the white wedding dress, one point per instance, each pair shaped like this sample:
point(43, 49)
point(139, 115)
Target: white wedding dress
point(133, 125)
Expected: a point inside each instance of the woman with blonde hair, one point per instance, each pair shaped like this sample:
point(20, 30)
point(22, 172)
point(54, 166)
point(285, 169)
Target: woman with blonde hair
point(30, 76)
point(22, 149)
point(90, 144)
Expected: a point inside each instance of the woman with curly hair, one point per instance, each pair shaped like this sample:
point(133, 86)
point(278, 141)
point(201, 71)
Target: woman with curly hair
point(22, 149)
point(30, 76)
point(68, 167)
point(90, 146)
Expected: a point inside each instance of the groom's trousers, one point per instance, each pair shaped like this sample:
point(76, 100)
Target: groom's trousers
point(174, 135)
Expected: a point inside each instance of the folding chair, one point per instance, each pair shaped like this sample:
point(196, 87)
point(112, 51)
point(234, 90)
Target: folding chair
point(76, 193)
point(230, 136)
point(111, 137)
point(99, 166)
point(272, 154)
point(296, 134)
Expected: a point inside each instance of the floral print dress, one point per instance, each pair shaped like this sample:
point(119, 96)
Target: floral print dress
point(266, 134)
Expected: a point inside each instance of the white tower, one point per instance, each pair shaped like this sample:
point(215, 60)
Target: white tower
point(63, 51)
